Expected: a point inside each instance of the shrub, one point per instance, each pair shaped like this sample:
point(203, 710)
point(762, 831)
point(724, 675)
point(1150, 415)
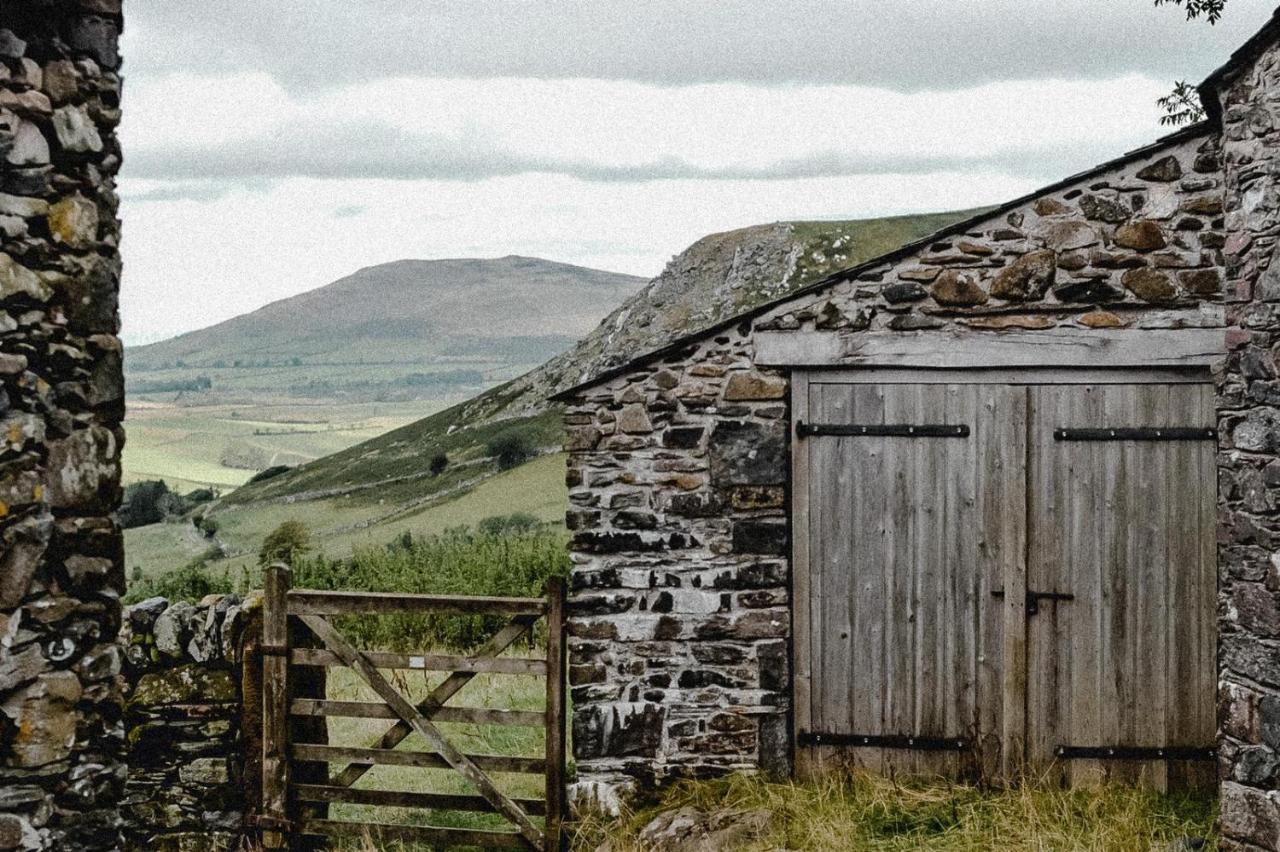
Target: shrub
point(149, 502)
point(511, 448)
point(438, 463)
point(285, 543)
point(458, 562)
point(269, 473)
point(518, 522)
point(190, 583)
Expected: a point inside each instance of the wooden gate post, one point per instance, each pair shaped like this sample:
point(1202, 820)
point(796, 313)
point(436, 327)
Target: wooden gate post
point(275, 719)
point(556, 713)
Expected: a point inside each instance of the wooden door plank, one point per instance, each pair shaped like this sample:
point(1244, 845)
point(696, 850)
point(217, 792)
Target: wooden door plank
point(409, 714)
point(875, 569)
point(898, 613)
point(842, 668)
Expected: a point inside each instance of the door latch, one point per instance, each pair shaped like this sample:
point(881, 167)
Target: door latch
point(1034, 598)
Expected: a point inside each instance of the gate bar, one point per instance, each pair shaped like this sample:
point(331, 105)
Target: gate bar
point(275, 717)
point(556, 713)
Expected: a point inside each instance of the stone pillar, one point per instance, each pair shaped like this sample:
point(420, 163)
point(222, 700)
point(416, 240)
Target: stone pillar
point(1249, 464)
point(61, 403)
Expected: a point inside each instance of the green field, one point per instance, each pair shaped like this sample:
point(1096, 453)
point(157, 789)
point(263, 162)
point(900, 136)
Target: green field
point(340, 524)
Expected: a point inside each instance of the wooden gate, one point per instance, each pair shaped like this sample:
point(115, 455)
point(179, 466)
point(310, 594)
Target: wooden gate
point(288, 804)
point(999, 571)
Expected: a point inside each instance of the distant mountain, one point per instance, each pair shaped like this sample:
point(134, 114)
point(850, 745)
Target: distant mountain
point(505, 312)
point(718, 276)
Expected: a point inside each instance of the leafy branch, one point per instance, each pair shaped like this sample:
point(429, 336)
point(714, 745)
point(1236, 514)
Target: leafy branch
point(1210, 9)
point(1181, 106)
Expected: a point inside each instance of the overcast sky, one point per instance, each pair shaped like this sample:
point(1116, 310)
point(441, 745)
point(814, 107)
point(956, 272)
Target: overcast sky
point(272, 147)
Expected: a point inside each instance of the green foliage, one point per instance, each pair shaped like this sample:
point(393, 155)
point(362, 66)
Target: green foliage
point(190, 583)
point(149, 502)
point(285, 544)
point(459, 562)
point(270, 473)
point(199, 383)
point(1210, 9)
point(439, 462)
point(1182, 105)
point(511, 448)
point(517, 522)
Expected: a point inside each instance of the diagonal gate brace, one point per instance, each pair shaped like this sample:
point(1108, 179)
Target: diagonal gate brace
point(448, 688)
point(410, 715)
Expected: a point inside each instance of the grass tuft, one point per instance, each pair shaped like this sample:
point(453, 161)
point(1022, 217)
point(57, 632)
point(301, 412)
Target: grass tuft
point(863, 812)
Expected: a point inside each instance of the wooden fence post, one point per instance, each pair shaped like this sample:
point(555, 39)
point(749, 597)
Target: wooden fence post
point(557, 713)
point(275, 718)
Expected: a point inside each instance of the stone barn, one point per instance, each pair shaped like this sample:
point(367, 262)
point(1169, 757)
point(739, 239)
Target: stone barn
point(1004, 498)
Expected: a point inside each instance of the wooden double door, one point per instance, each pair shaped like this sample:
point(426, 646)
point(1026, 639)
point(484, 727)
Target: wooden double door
point(1000, 575)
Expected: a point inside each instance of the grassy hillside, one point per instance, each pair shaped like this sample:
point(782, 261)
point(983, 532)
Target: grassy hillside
point(311, 375)
point(510, 310)
point(382, 486)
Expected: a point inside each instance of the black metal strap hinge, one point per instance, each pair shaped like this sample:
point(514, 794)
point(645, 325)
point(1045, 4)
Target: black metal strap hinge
point(273, 650)
point(1136, 752)
point(898, 741)
point(1172, 433)
point(905, 430)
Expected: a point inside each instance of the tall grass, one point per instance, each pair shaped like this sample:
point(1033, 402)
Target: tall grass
point(876, 814)
point(461, 561)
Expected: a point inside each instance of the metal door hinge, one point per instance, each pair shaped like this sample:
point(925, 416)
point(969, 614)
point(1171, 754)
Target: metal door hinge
point(1171, 433)
point(896, 741)
point(1136, 752)
point(900, 430)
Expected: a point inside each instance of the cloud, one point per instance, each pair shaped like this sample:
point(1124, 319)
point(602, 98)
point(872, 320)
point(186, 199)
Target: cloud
point(612, 131)
point(189, 264)
point(903, 45)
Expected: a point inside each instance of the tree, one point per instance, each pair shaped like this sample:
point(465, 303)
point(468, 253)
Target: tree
point(438, 463)
point(511, 448)
point(285, 543)
point(1182, 105)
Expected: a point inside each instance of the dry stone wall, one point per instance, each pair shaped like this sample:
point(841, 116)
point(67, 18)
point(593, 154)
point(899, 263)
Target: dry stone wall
point(1249, 465)
point(678, 470)
point(61, 403)
point(185, 719)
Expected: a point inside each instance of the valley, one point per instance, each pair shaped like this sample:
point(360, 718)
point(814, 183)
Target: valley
point(353, 432)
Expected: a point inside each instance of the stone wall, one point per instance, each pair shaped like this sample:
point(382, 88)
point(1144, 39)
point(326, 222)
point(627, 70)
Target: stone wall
point(678, 471)
point(188, 786)
point(1249, 465)
point(61, 402)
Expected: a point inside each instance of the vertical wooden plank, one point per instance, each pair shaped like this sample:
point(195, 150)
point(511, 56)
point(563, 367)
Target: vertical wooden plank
point(867, 507)
point(899, 606)
point(802, 532)
point(556, 713)
point(275, 696)
point(1087, 470)
point(1014, 657)
point(838, 569)
point(1000, 480)
point(1204, 681)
